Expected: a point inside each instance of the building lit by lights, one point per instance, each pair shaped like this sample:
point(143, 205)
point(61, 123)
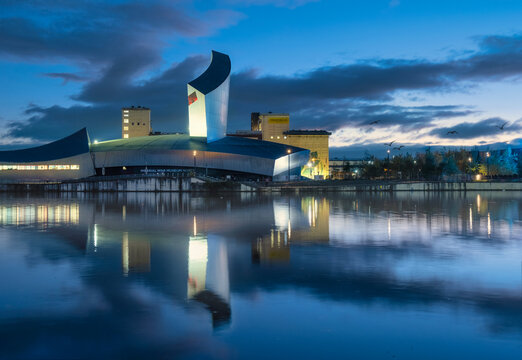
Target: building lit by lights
point(206, 148)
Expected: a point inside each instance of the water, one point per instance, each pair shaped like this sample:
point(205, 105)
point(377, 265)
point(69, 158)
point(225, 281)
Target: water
point(358, 276)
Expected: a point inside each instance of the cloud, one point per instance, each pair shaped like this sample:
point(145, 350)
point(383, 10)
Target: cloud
point(66, 77)
point(470, 130)
point(117, 46)
point(291, 4)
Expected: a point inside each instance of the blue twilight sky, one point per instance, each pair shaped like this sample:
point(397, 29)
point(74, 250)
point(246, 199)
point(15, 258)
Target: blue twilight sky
point(416, 69)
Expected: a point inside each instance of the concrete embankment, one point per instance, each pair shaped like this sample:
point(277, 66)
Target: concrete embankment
point(193, 184)
point(378, 186)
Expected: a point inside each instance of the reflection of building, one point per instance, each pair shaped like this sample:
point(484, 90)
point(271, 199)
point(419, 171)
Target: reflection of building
point(308, 224)
point(208, 279)
point(135, 121)
point(135, 253)
point(272, 248)
point(43, 215)
point(276, 128)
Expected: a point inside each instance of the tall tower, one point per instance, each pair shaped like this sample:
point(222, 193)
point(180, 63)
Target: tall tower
point(208, 99)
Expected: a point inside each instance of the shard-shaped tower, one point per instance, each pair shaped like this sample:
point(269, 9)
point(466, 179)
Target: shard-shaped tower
point(208, 99)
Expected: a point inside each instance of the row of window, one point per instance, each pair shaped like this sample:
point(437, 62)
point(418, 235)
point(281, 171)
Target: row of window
point(284, 137)
point(126, 121)
point(39, 167)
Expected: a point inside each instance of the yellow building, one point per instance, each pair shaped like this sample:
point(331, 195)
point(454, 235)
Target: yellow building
point(276, 128)
point(135, 121)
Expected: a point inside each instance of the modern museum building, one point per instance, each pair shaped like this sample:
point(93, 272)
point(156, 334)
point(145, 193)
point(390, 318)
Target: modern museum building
point(206, 148)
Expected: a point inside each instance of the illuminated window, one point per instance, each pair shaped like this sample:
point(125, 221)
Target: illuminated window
point(42, 167)
point(126, 121)
point(284, 137)
point(271, 137)
point(125, 136)
point(125, 128)
point(75, 167)
point(278, 137)
point(125, 111)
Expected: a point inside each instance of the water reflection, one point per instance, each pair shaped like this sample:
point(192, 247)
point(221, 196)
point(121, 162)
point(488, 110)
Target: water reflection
point(172, 266)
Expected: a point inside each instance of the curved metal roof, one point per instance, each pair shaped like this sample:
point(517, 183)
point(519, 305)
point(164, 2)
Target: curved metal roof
point(75, 144)
point(216, 73)
point(229, 144)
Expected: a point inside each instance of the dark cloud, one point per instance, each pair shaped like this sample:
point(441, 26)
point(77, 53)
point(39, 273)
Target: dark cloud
point(66, 77)
point(469, 130)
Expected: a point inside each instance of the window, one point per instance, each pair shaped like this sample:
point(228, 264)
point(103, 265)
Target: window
point(278, 137)
point(132, 124)
point(138, 124)
point(126, 121)
point(125, 136)
point(125, 111)
point(271, 137)
point(284, 137)
point(125, 128)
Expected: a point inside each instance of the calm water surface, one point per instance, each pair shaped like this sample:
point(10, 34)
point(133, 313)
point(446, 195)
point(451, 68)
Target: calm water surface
point(353, 276)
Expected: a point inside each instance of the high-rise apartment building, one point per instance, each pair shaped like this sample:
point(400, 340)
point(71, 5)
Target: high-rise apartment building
point(135, 121)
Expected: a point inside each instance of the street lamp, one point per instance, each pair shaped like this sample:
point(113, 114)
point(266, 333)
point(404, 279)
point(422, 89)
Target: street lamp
point(288, 152)
point(487, 162)
point(195, 153)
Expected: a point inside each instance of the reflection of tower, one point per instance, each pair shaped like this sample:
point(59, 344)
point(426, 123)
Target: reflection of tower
point(135, 254)
point(208, 278)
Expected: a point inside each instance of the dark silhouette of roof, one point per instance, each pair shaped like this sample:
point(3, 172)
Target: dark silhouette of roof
point(75, 144)
point(216, 73)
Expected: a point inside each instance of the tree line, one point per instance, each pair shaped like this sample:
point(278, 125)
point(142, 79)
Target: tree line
point(434, 165)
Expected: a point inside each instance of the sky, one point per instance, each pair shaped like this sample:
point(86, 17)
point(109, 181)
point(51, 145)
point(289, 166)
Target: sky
point(418, 72)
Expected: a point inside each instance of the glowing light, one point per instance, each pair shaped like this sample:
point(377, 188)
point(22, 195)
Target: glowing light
point(95, 141)
point(288, 151)
point(489, 225)
point(195, 152)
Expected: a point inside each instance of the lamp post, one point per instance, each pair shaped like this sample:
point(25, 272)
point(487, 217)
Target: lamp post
point(195, 153)
point(388, 164)
point(288, 152)
point(487, 162)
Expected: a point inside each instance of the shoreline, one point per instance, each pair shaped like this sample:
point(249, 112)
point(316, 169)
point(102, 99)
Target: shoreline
point(201, 184)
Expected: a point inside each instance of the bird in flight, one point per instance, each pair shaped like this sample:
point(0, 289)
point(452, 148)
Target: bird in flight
point(501, 127)
point(390, 144)
point(374, 122)
point(398, 147)
point(452, 132)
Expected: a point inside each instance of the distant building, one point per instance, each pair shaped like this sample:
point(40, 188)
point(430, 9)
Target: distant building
point(275, 127)
point(135, 122)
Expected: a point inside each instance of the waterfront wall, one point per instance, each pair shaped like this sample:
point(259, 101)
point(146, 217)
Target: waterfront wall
point(136, 184)
point(376, 186)
point(193, 184)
